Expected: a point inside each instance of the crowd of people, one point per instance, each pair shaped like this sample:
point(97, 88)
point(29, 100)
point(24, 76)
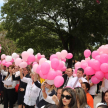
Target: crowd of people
point(26, 90)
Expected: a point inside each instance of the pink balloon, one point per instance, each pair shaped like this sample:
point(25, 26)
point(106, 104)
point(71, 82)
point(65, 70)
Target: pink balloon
point(39, 56)
point(96, 65)
point(42, 56)
point(58, 81)
point(18, 61)
point(25, 55)
point(36, 60)
point(105, 50)
point(54, 63)
point(53, 56)
point(87, 53)
point(59, 73)
point(23, 65)
point(0, 61)
point(100, 49)
point(78, 64)
point(69, 56)
point(31, 58)
point(89, 71)
point(42, 60)
point(12, 60)
point(60, 66)
point(90, 62)
point(63, 60)
point(95, 80)
point(34, 63)
point(94, 54)
point(8, 64)
point(51, 75)
point(35, 67)
point(83, 61)
point(42, 76)
point(38, 69)
point(17, 56)
point(45, 67)
point(58, 55)
point(106, 76)
point(97, 58)
point(3, 56)
point(64, 54)
point(99, 75)
point(104, 58)
point(64, 68)
point(84, 65)
point(28, 63)
point(3, 62)
point(104, 67)
point(87, 59)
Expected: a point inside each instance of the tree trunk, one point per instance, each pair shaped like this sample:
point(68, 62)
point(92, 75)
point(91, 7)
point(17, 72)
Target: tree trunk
point(71, 50)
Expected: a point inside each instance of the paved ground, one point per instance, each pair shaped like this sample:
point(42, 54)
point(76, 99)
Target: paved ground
point(97, 99)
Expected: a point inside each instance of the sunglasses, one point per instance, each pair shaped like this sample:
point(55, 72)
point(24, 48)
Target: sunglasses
point(67, 96)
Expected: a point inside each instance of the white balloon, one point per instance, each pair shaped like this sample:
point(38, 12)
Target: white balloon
point(63, 54)
point(14, 55)
point(0, 48)
point(8, 58)
point(58, 54)
point(50, 82)
point(3, 56)
point(30, 51)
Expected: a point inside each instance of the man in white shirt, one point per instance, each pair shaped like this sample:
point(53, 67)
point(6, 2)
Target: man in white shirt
point(69, 73)
point(76, 81)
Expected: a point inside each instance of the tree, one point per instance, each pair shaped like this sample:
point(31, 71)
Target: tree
point(75, 24)
point(8, 46)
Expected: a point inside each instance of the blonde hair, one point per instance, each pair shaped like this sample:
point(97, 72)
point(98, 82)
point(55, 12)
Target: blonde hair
point(52, 87)
point(32, 73)
point(38, 77)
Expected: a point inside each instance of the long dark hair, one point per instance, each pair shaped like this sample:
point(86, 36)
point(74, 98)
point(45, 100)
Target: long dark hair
point(81, 97)
point(12, 66)
point(73, 102)
point(104, 96)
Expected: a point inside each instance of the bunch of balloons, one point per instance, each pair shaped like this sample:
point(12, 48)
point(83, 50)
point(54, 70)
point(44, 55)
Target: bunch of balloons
point(52, 69)
point(97, 66)
point(47, 69)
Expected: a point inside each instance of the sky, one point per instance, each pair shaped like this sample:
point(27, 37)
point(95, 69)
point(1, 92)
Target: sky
point(1, 4)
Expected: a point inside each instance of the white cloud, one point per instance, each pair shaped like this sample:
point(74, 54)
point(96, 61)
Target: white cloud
point(1, 3)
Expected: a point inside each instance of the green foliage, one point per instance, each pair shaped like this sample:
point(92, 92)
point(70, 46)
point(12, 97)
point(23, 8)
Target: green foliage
point(51, 25)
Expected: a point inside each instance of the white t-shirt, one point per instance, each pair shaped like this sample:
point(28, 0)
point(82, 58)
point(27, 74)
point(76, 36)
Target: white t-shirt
point(93, 88)
point(72, 82)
